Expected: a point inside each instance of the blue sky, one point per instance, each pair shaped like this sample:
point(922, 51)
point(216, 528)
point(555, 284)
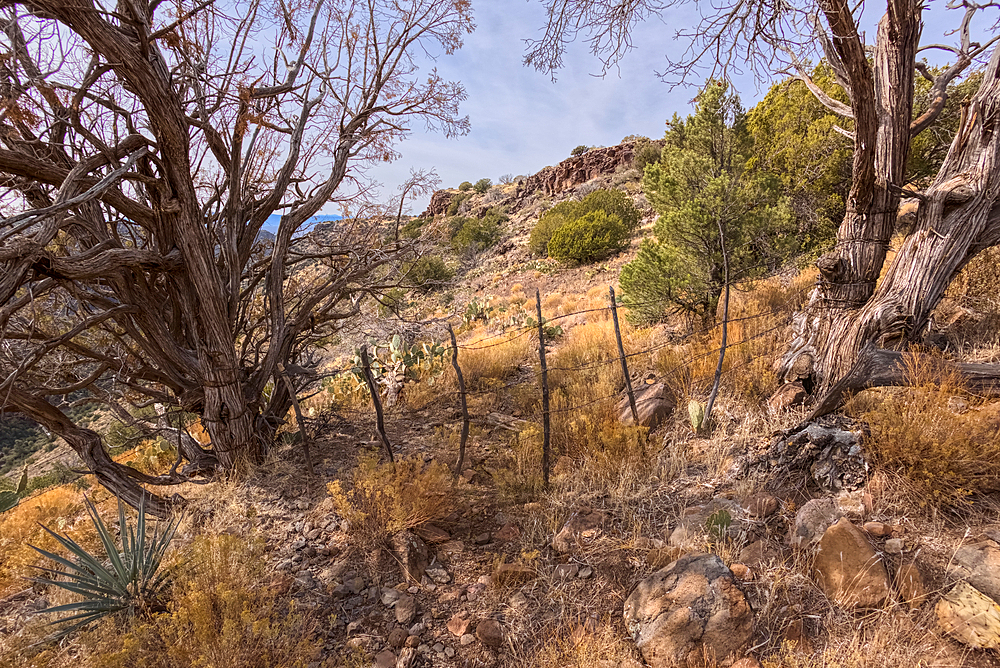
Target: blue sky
point(522, 121)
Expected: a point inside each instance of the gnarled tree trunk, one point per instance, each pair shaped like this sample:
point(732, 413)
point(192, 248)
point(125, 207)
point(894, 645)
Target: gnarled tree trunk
point(849, 310)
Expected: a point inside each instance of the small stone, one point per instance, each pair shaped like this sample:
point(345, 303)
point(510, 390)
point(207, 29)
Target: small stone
point(438, 574)
point(812, 520)
point(761, 505)
point(390, 596)
point(433, 533)
point(459, 624)
point(747, 662)
point(417, 629)
point(513, 574)
point(877, 529)
point(467, 639)
point(894, 546)
point(585, 572)
point(566, 571)
point(742, 572)
point(449, 652)
point(483, 538)
point(412, 641)
point(438, 647)
point(406, 610)
point(490, 633)
point(397, 638)
point(508, 532)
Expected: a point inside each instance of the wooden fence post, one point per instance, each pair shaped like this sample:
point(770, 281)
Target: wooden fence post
point(545, 390)
point(298, 417)
point(465, 407)
point(621, 356)
point(366, 367)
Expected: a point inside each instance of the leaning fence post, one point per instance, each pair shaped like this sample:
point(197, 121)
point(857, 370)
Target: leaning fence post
point(298, 417)
point(621, 356)
point(366, 367)
point(465, 408)
point(545, 390)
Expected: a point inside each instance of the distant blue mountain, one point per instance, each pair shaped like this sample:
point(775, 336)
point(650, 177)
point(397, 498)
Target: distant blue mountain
point(272, 221)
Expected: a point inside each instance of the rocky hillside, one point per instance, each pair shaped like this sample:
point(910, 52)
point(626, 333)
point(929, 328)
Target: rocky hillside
point(867, 538)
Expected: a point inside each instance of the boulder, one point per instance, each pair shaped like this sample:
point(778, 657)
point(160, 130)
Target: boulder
point(847, 568)
point(582, 527)
point(690, 609)
point(653, 403)
point(812, 520)
point(411, 553)
point(979, 565)
point(970, 616)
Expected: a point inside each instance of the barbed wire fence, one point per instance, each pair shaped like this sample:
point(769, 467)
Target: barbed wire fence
point(545, 337)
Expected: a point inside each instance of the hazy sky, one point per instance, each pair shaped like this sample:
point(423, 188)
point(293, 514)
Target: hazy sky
point(521, 120)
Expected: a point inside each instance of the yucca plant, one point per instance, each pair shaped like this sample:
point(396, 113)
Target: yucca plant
point(127, 583)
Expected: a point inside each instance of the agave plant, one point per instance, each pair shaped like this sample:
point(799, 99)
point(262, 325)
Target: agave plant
point(128, 582)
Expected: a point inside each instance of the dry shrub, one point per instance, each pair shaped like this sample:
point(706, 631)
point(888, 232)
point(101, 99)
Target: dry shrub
point(915, 431)
point(223, 614)
point(487, 363)
point(387, 498)
point(977, 286)
point(585, 384)
point(518, 475)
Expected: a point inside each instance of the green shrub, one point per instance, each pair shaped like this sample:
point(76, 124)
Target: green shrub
point(646, 153)
point(412, 229)
point(657, 281)
point(477, 234)
point(429, 272)
point(579, 150)
point(482, 185)
point(457, 201)
point(392, 302)
point(589, 238)
point(613, 202)
point(464, 186)
point(549, 223)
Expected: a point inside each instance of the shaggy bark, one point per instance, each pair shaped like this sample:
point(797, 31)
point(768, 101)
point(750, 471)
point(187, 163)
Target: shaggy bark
point(144, 149)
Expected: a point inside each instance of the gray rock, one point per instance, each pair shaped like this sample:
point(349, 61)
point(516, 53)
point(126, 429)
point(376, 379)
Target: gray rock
point(979, 565)
point(812, 520)
point(411, 552)
point(406, 610)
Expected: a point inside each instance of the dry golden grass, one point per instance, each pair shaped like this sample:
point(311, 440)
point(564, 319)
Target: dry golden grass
point(487, 363)
point(946, 442)
point(60, 508)
point(584, 644)
point(225, 613)
point(384, 499)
